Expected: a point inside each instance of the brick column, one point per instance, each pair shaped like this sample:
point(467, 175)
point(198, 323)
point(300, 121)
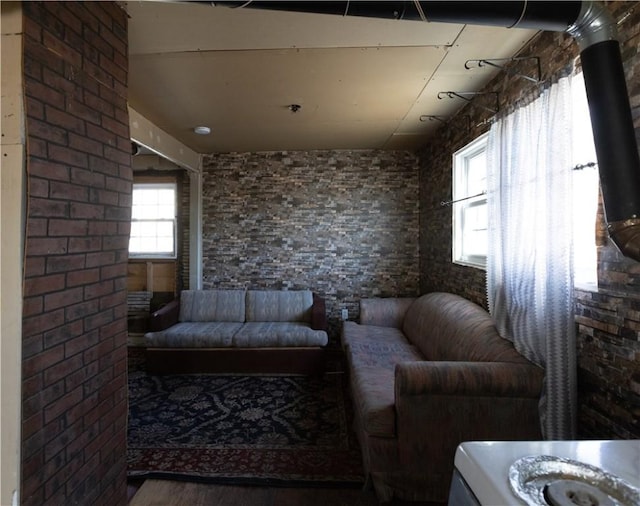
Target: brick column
point(78, 196)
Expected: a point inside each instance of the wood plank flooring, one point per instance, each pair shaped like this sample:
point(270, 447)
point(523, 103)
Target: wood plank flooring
point(177, 493)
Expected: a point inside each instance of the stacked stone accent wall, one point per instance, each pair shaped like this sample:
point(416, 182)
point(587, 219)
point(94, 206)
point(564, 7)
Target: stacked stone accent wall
point(74, 409)
point(609, 364)
point(341, 223)
point(608, 320)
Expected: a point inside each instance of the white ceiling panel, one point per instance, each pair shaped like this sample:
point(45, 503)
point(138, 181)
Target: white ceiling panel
point(361, 83)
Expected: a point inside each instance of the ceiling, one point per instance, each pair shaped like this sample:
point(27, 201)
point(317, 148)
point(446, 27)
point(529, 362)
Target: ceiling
point(362, 83)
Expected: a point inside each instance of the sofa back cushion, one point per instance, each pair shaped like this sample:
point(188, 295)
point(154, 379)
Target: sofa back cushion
point(212, 306)
point(384, 312)
point(445, 326)
point(279, 305)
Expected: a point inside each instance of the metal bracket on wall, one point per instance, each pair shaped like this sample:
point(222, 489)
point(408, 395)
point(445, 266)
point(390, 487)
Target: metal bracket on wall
point(445, 120)
point(471, 64)
point(464, 94)
point(585, 166)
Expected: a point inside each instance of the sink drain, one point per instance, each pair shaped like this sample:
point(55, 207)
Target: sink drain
point(575, 493)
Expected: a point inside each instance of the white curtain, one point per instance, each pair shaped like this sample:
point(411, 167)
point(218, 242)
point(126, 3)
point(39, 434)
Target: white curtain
point(529, 265)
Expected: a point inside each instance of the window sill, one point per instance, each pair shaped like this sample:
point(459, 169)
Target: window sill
point(151, 259)
point(586, 287)
point(480, 266)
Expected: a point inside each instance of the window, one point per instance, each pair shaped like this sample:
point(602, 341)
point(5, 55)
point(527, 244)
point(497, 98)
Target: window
point(585, 191)
point(153, 220)
point(470, 204)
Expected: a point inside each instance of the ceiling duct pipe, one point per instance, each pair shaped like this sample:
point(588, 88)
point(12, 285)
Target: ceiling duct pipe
point(540, 15)
point(595, 32)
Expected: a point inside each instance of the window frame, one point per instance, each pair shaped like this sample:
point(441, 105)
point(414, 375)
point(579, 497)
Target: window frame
point(157, 184)
point(463, 201)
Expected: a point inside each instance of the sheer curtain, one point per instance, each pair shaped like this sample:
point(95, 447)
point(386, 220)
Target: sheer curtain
point(529, 264)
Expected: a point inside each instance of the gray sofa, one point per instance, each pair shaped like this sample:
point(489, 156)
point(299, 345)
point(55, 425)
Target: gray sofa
point(425, 375)
point(241, 331)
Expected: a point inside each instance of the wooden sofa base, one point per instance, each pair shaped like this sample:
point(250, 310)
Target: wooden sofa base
point(305, 361)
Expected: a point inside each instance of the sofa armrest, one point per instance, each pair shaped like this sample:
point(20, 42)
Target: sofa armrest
point(384, 312)
point(442, 404)
point(500, 379)
point(318, 313)
point(165, 317)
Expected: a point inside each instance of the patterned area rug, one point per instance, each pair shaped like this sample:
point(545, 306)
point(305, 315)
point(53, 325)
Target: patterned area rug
point(267, 430)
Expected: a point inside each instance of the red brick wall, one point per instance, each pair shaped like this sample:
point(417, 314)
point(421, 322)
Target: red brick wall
point(79, 192)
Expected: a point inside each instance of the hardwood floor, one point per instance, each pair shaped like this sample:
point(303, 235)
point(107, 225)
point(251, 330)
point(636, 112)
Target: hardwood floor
point(177, 493)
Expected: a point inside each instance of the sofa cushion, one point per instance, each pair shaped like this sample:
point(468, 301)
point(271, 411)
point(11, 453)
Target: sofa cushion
point(372, 389)
point(445, 326)
point(372, 353)
point(212, 306)
point(384, 355)
point(276, 334)
point(279, 305)
point(194, 335)
point(367, 345)
point(353, 332)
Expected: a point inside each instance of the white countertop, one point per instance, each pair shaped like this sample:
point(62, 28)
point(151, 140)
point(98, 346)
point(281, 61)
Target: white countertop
point(485, 465)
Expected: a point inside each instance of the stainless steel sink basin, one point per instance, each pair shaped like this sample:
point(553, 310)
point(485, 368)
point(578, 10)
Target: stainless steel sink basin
point(545, 480)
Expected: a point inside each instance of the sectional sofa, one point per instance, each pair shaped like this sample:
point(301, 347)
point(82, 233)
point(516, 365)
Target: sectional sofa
point(426, 374)
point(239, 331)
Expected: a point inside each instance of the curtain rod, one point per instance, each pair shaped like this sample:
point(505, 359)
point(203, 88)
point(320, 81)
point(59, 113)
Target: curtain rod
point(446, 203)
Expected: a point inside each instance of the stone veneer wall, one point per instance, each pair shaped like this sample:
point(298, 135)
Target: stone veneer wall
point(609, 319)
point(341, 223)
point(74, 389)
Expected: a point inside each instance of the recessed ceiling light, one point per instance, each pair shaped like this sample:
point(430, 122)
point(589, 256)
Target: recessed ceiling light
point(202, 130)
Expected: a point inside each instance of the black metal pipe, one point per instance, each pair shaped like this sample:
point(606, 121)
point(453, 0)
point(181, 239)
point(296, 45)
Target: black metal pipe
point(615, 142)
point(613, 133)
point(613, 130)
